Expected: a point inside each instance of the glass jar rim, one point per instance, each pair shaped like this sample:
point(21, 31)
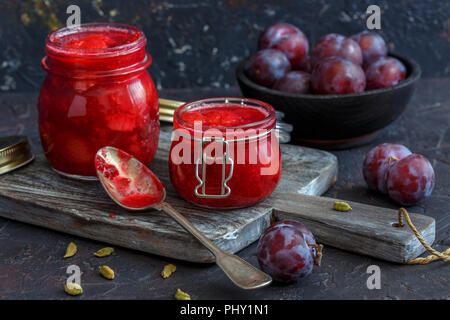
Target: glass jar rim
point(59, 49)
point(224, 101)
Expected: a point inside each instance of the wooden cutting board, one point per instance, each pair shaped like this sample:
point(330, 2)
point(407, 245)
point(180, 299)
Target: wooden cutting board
point(37, 195)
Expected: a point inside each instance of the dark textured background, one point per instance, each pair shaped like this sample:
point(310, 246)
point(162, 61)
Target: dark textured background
point(198, 43)
point(183, 35)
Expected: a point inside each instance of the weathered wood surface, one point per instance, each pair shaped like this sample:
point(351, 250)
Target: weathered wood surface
point(365, 229)
point(82, 208)
point(37, 195)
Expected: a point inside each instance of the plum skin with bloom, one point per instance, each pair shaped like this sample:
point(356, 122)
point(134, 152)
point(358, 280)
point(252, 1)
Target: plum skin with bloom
point(307, 234)
point(336, 75)
point(294, 82)
point(372, 45)
point(376, 164)
point(384, 72)
point(336, 45)
point(267, 66)
point(410, 180)
point(274, 33)
point(284, 254)
point(306, 65)
point(295, 47)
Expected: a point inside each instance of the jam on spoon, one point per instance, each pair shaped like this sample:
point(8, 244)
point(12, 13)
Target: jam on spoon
point(134, 187)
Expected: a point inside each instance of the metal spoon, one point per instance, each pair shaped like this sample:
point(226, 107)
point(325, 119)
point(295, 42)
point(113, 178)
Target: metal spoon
point(138, 183)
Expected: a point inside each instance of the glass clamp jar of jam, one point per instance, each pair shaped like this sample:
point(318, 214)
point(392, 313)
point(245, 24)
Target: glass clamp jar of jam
point(97, 93)
point(224, 152)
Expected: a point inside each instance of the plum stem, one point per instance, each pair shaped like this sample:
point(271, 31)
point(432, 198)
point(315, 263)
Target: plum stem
point(392, 159)
point(318, 255)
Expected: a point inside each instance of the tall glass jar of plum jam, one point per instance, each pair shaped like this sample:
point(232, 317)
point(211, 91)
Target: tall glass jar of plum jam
point(97, 93)
point(224, 152)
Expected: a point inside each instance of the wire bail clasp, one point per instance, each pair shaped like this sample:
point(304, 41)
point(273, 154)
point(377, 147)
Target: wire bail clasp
point(200, 189)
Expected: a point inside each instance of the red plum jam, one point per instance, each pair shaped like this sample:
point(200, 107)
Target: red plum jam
point(97, 93)
point(224, 153)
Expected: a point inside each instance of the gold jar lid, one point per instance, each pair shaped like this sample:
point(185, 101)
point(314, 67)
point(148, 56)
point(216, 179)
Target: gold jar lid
point(14, 153)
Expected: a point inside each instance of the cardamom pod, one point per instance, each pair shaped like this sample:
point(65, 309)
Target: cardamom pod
point(180, 295)
point(104, 252)
point(341, 206)
point(73, 288)
point(71, 250)
point(106, 272)
point(168, 270)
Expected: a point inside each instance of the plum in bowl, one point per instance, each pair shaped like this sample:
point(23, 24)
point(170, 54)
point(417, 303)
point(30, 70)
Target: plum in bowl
point(337, 121)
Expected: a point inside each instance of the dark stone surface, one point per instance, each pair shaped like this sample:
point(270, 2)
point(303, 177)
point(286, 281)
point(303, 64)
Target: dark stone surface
point(198, 43)
point(31, 264)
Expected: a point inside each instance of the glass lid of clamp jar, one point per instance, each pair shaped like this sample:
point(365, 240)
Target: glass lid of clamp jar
point(224, 152)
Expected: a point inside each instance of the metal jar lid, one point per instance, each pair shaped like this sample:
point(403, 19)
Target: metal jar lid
point(14, 153)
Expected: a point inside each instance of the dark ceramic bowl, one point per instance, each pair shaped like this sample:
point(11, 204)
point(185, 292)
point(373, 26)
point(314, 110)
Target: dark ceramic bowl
point(337, 121)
